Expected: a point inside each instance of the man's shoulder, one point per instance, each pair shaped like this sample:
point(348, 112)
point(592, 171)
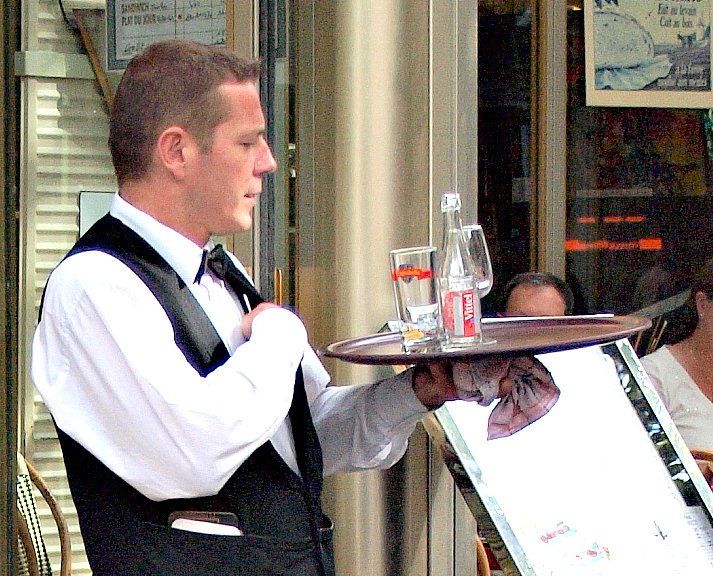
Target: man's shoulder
point(111, 235)
point(87, 267)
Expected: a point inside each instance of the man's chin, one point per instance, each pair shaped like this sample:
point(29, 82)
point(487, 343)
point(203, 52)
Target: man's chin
point(244, 222)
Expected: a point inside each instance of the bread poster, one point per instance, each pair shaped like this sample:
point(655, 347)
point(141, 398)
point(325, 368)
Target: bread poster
point(652, 53)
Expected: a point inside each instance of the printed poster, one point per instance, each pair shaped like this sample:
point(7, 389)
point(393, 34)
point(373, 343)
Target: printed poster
point(650, 53)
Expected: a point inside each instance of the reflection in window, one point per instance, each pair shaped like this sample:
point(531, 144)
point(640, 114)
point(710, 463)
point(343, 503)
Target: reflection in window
point(505, 191)
point(639, 195)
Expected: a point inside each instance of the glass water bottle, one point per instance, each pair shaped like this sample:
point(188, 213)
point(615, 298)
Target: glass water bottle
point(460, 305)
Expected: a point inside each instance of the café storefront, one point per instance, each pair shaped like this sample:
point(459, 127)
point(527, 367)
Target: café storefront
point(375, 109)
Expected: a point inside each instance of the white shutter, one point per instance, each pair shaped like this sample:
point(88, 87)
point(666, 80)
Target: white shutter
point(64, 151)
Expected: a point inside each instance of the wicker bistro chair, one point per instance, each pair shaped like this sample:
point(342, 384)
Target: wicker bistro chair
point(33, 557)
point(481, 556)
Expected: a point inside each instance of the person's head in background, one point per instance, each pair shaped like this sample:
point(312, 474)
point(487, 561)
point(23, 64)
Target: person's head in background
point(700, 301)
point(537, 294)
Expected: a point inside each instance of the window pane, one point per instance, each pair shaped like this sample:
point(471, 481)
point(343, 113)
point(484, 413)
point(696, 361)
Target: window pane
point(639, 184)
point(504, 195)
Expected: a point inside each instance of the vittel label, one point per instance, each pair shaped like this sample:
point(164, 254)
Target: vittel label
point(459, 313)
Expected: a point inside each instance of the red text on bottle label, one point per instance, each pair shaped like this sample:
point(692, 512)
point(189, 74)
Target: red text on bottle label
point(459, 313)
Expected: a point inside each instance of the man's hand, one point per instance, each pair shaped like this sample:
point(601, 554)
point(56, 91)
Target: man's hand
point(433, 384)
point(480, 381)
point(247, 325)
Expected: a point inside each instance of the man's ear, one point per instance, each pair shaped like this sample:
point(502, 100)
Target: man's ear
point(174, 148)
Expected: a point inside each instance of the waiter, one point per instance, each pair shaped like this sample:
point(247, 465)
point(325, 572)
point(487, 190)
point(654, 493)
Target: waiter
point(195, 420)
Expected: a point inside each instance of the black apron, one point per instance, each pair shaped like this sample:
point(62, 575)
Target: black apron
point(126, 534)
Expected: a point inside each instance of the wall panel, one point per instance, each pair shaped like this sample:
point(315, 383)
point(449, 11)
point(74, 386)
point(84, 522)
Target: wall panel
point(64, 151)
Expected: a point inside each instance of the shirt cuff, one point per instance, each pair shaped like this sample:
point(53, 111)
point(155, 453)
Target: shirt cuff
point(395, 401)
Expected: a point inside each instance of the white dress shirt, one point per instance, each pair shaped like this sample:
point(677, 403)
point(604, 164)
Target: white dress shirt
point(105, 362)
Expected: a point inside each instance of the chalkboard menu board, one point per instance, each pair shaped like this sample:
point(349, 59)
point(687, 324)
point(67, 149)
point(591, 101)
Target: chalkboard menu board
point(602, 485)
point(134, 24)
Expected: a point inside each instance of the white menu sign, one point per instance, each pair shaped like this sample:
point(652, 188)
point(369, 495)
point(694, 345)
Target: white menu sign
point(583, 488)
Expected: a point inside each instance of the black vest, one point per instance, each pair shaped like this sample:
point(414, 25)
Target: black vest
point(125, 533)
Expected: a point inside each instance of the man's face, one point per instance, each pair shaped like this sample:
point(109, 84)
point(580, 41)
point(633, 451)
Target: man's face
point(532, 300)
point(226, 180)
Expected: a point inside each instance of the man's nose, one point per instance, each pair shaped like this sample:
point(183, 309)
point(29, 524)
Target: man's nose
point(267, 163)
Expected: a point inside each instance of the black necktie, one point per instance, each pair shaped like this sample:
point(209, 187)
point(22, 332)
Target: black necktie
point(305, 436)
point(220, 264)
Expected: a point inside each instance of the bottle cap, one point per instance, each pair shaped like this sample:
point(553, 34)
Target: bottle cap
point(450, 201)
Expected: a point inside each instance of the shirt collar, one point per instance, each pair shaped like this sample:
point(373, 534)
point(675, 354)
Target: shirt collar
point(182, 254)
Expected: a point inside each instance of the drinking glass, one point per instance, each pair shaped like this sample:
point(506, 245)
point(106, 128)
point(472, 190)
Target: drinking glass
point(413, 272)
point(478, 248)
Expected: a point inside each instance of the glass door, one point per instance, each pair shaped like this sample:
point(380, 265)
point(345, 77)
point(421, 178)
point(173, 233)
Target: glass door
point(278, 208)
point(506, 190)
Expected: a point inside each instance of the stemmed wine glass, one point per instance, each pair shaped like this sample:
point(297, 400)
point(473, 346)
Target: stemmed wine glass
point(478, 248)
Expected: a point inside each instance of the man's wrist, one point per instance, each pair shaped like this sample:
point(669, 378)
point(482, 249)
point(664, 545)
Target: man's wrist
point(424, 389)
